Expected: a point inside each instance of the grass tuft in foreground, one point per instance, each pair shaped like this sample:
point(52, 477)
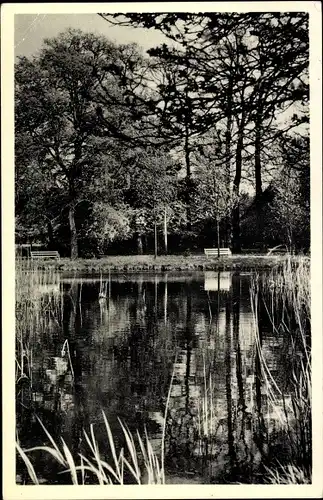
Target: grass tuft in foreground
point(289, 474)
point(139, 459)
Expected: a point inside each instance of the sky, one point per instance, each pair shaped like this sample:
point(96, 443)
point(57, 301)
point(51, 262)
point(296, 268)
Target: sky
point(32, 29)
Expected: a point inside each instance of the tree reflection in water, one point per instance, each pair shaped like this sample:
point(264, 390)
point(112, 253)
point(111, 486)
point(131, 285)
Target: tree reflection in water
point(220, 427)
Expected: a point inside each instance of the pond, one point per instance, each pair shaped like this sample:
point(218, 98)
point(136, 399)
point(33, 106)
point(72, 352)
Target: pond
point(181, 344)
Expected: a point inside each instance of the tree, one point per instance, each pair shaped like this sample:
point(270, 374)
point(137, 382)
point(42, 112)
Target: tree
point(38, 201)
point(266, 56)
point(183, 108)
point(151, 192)
point(249, 70)
point(281, 52)
point(290, 209)
point(212, 198)
point(59, 117)
point(108, 223)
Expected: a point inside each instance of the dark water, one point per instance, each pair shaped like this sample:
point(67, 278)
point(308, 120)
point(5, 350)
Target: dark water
point(123, 352)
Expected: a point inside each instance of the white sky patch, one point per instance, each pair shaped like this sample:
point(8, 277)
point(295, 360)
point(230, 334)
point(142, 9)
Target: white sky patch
point(32, 29)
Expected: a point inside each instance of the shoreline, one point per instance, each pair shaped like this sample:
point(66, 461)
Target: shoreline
point(162, 264)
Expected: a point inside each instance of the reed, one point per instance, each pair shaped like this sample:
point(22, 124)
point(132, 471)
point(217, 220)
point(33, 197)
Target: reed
point(138, 458)
point(289, 474)
point(38, 303)
point(206, 415)
point(284, 295)
point(36, 306)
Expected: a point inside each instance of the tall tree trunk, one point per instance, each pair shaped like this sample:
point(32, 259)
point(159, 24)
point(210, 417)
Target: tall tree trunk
point(236, 243)
point(165, 232)
point(258, 123)
point(155, 239)
point(188, 118)
point(218, 234)
point(188, 180)
point(73, 232)
point(228, 140)
point(258, 180)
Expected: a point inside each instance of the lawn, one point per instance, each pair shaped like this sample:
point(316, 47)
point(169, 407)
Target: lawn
point(163, 263)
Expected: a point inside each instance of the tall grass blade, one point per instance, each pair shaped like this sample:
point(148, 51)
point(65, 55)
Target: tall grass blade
point(62, 460)
point(57, 455)
point(70, 462)
point(112, 445)
point(30, 468)
point(132, 450)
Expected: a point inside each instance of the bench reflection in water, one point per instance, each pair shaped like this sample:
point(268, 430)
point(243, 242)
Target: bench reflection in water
point(217, 281)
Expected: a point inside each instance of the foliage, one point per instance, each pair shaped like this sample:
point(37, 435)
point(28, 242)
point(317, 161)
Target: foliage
point(239, 74)
point(288, 214)
point(214, 196)
point(59, 122)
point(109, 223)
point(113, 146)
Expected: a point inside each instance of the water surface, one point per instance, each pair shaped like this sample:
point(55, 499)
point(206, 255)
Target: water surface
point(123, 350)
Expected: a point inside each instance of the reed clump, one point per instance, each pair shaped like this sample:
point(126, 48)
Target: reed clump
point(138, 459)
point(289, 474)
point(207, 420)
point(284, 297)
point(37, 304)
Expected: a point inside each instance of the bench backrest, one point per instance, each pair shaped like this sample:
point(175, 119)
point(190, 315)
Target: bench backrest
point(215, 251)
point(44, 253)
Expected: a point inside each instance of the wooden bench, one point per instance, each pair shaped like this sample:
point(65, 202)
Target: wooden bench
point(44, 254)
point(213, 252)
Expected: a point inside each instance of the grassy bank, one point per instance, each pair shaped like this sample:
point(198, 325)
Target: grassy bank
point(163, 263)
